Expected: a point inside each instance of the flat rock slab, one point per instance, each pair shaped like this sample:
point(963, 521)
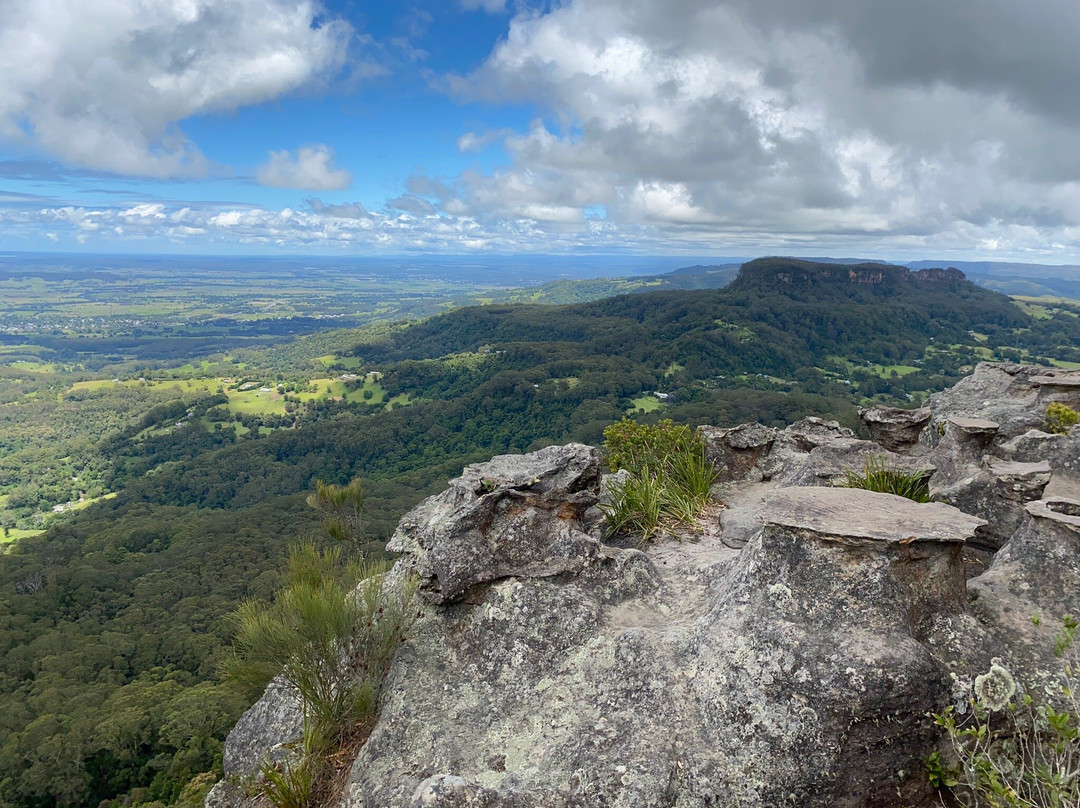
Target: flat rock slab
point(841, 514)
point(974, 425)
point(1014, 469)
point(1069, 382)
point(1065, 511)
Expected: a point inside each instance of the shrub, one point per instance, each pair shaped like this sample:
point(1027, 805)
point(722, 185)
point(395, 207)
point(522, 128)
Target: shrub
point(1060, 418)
point(342, 509)
point(669, 478)
point(879, 476)
point(631, 446)
point(1010, 751)
point(330, 634)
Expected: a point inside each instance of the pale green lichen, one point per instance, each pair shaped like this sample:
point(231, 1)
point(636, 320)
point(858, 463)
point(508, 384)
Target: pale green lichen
point(996, 688)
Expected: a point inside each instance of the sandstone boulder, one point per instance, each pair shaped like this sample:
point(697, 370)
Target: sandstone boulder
point(514, 515)
point(895, 429)
point(1033, 582)
point(998, 494)
point(797, 668)
point(830, 463)
point(736, 452)
point(1013, 396)
point(796, 441)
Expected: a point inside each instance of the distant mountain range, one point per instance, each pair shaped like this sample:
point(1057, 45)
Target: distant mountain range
point(1031, 280)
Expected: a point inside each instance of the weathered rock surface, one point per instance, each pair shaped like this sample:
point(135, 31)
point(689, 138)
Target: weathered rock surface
point(1062, 452)
point(893, 428)
point(264, 731)
point(552, 670)
point(829, 464)
point(1035, 575)
point(736, 452)
point(1013, 396)
point(704, 689)
point(998, 494)
point(811, 672)
point(514, 515)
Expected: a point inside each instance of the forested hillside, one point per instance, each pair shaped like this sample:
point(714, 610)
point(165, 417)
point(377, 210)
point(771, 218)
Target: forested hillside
point(111, 621)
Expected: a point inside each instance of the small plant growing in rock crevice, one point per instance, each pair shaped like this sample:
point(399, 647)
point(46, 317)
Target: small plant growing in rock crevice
point(1060, 418)
point(1008, 751)
point(669, 479)
point(878, 475)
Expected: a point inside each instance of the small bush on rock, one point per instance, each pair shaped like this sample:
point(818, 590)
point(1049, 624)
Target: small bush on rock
point(878, 475)
point(330, 635)
point(632, 446)
point(1010, 751)
point(1060, 418)
point(669, 478)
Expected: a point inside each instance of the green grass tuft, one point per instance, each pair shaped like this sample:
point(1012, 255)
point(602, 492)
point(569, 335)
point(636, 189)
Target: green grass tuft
point(879, 476)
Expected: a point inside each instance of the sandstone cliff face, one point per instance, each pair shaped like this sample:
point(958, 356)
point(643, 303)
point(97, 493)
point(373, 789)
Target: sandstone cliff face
point(789, 654)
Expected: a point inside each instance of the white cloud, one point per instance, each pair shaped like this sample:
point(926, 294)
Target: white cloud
point(310, 168)
point(776, 122)
point(103, 85)
point(412, 225)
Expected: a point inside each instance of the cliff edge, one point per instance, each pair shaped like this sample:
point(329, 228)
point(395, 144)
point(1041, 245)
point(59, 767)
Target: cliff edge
point(788, 655)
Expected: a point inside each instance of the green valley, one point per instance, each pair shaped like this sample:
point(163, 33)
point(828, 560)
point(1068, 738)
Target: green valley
point(166, 471)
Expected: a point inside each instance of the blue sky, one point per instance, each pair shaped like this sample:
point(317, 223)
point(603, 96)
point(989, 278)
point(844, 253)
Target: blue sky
point(922, 129)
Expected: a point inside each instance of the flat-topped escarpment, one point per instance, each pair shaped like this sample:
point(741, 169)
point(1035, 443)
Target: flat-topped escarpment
point(795, 271)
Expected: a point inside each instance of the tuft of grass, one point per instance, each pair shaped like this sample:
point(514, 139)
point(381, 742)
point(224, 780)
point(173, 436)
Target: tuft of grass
point(292, 783)
point(1060, 418)
point(878, 475)
point(637, 505)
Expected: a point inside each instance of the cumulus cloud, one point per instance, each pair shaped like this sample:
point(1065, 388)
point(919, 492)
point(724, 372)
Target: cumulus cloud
point(104, 85)
point(802, 121)
point(310, 168)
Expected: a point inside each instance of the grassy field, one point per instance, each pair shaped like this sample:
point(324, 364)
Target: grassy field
point(346, 362)
point(14, 534)
point(264, 399)
point(888, 370)
point(645, 404)
point(880, 370)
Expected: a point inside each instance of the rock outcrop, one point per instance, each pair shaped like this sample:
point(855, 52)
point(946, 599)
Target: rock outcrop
point(813, 671)
point(512, 516)
point(1033, 582)
point(1015, 397)
point(789, 655)
point(893, 428)
point(736, 452)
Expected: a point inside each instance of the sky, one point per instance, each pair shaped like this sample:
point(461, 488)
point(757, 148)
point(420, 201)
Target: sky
point(896, 129)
